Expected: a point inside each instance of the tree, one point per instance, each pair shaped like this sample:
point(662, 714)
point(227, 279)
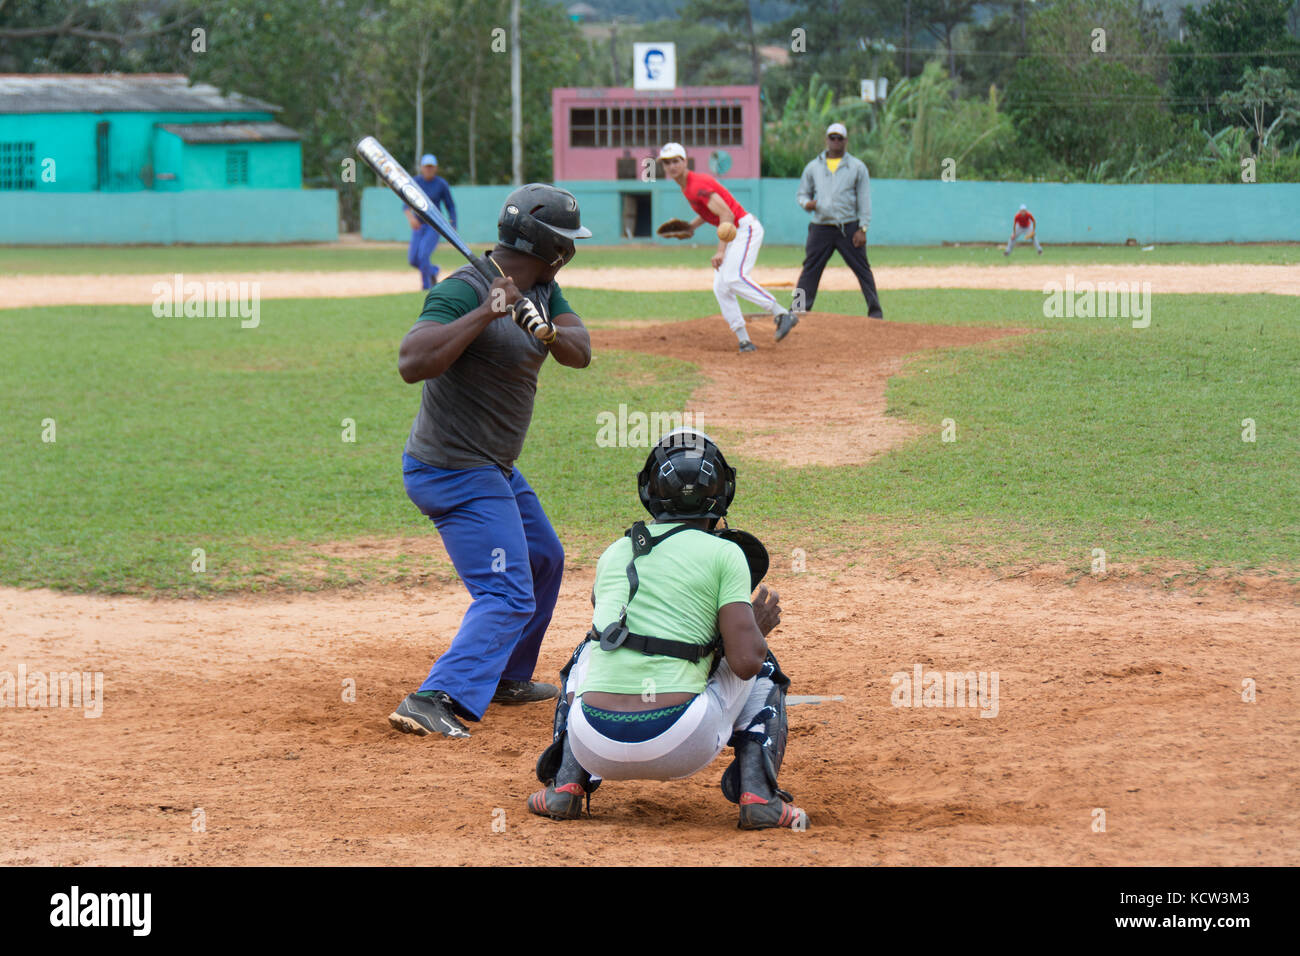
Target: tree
point(83, 36)
point(1223, 39)
point(1100, 110)
point(737, 21)
point(832, 38)
point(941, 18)
point(1263, 93)
point(413, 29)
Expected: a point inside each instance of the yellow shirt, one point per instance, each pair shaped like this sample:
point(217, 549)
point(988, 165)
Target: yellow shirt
point(833, 164)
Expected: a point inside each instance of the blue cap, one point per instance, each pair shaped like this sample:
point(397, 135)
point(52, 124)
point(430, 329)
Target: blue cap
point(428, 159)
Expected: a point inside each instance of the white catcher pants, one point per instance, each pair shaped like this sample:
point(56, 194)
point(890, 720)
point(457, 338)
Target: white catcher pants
point(735, 278)
point(685, 748)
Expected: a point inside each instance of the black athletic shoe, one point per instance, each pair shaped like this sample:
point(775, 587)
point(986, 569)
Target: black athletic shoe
point(759, 814)
point(747, 346)
point(427, 715)
point(875, 315)
point(784, 323)
point(524, 692)
point(559, 803)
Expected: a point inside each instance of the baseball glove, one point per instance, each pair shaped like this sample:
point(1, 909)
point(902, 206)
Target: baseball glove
point(675, 229)
point(755, 553)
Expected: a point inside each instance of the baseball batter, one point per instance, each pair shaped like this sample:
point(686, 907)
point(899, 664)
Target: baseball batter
point(478, 348)
point(676, 665)
point(424, 238)
point(1023, 223)
point(736, 254)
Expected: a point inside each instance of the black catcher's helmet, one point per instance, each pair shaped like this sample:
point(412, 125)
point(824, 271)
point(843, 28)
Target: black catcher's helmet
point(541, 220)
point(686, 476)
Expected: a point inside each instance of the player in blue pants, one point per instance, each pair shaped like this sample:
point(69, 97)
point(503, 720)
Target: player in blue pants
point(424, 238)
point(477, 349)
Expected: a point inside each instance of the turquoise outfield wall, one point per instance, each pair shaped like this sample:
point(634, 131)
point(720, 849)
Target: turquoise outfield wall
point(191, 216)
point(69, 140)
point(922, 212)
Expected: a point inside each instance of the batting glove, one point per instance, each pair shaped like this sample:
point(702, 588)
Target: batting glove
point(530, 320)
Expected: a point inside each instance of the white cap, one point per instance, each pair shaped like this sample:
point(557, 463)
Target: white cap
point(1024, 208)
point(428, 159)
point(837, 128)
point(673, 151)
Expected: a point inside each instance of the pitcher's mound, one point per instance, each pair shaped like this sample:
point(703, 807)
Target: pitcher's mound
point(816, 398)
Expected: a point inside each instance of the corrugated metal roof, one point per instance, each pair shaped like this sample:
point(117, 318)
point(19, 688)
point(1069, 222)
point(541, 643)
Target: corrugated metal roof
point(117, 93)
point(232, 132)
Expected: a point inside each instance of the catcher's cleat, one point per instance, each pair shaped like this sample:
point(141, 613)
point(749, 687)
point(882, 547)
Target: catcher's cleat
point(747, 346)
point(427, 715)
point(563, 802)
point(759, 814)
point(524, 692)
point(784, 323)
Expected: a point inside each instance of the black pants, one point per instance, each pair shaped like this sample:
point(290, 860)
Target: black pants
point(822, 242)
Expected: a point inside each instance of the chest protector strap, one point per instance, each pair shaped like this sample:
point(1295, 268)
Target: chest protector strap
point(616, 633)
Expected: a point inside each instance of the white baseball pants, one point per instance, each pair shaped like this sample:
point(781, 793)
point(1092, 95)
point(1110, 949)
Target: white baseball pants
point(734, 280)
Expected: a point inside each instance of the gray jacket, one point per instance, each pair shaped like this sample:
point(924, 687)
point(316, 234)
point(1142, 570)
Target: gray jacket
point(842, 197)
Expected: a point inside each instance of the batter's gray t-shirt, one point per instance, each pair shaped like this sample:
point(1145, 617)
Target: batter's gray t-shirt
point(477, 412)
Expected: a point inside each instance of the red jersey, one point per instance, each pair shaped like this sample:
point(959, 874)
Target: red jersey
point(699, 187)
point(1023, 219)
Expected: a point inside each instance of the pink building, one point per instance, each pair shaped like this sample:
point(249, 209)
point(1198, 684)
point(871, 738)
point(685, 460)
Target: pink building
point(604, 133)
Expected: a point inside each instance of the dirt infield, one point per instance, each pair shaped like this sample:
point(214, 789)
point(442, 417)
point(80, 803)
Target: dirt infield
point(1115, 697)
point(22, 291)
point(252, 730)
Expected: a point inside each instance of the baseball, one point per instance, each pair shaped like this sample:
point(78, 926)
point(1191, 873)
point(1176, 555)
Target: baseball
point(726, 231)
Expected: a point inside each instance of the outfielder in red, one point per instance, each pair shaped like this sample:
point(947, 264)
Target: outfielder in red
point(1022, 224)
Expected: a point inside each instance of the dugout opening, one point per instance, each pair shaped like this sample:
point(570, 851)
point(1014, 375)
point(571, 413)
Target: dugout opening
point(636, 215)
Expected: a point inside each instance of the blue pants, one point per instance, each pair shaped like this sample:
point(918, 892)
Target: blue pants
point(507, 553)
point(419, 254)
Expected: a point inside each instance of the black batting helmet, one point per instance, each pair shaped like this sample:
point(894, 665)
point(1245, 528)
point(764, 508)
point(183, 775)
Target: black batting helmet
point(542, 221)
point(686, 476)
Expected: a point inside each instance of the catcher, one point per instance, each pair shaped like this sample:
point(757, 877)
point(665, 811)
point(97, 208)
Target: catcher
point(676, 665)
point(740, 236)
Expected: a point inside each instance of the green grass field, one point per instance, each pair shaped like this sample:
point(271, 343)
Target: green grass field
point(177, 434)
point(71, 260)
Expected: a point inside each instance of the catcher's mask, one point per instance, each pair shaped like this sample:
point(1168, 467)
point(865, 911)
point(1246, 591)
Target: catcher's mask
point(541, 221)
point(686, 476)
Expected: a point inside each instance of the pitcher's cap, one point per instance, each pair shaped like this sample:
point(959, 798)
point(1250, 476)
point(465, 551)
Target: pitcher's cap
point(673, 151)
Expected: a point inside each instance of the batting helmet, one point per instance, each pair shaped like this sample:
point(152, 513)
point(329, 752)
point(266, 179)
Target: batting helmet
point(542, 221)
point(686, 476)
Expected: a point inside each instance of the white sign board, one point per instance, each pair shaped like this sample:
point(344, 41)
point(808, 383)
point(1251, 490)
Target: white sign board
point(875, 93)
point(654, 66)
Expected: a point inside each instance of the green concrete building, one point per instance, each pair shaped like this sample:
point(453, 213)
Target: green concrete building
point(126, 133)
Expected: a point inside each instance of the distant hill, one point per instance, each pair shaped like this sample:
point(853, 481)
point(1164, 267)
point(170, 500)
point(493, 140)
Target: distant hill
point(646, 11)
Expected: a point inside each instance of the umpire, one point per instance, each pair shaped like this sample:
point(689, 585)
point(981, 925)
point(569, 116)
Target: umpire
point(835, 188)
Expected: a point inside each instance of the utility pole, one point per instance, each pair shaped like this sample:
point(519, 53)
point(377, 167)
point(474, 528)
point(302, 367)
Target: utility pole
point(516, 101)
point(907, 39)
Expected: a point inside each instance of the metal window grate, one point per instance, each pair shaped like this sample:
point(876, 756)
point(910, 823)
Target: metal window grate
point(236, 167)
point(17, 165)
point(603, 127)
